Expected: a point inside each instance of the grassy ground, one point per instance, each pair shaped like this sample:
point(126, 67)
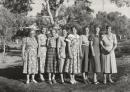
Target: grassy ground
point(12, 79)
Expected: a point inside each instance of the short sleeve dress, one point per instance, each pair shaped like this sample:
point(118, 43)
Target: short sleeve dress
point(95, 64)
point(73, 65)
point(30, 65)
point(42, 42)
point(109, 59)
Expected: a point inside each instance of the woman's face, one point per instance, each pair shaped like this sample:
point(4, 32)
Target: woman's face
point(64, 32)
point(74, 30)
point(32, 33)
point(109, 30)
point(97, 30)
point(44, 30)
point(53, 32)
point(86, 30)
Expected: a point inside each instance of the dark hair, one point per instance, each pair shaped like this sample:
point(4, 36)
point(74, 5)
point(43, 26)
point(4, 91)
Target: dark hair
point(84, 28)
point(108, 26)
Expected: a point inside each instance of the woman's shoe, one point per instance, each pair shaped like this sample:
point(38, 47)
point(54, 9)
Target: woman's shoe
point(34, 81)
point(72, 82)
point(111, 81)
point(50, 82)
point(27, 82)
point(104, 82)
point(54, 81)
point(87, 80)
point(42, 80)
point(96, 82)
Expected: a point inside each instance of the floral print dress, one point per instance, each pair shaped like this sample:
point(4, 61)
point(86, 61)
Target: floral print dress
point(73, 64)
point(30, 65)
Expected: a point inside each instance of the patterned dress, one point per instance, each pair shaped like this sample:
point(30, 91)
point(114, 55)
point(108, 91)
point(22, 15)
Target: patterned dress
point(109, 59)
point(51, 63)
point(42, 42)
point(95, 64)
point(30, 65)
point(73, 63)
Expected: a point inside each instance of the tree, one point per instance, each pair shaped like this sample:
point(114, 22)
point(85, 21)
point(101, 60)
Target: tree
point(17, 6)
point(121, 3)
point(7, 20)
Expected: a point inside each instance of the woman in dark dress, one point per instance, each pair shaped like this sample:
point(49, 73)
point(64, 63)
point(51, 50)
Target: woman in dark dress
point(84, 39)
point(95, 56)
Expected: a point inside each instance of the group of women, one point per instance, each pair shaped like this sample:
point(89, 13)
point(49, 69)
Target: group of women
point(69, 53)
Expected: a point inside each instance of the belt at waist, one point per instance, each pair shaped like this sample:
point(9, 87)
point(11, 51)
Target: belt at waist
point(85, 44)
point(52, 47)
point(42, 45)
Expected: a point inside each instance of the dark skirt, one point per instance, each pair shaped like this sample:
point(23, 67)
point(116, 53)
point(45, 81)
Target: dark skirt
point(51, 63)
point(84, 60)
point(94, 61)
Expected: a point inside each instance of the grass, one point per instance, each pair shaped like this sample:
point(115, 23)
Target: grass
point(12, 79)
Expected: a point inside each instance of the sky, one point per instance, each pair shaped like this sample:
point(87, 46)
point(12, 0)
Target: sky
point(97, 5)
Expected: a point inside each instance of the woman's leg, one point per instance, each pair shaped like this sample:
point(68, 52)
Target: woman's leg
point(33, 78)
point(62, 77)
point(50, 80)
point(95, 77)
point(41, 77)
point(61, 65)
point(53, 78)
point(28, 78)
point(110, 79)
point(105, 78)
point(71, 79)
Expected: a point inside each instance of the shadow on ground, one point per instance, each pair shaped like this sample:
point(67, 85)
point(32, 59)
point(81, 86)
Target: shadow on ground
point(12, 80)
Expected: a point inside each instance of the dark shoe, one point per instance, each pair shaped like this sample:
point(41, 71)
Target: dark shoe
point(88, 81)
point(85, 82)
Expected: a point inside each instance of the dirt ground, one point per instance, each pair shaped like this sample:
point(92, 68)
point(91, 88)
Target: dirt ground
point(12, 79)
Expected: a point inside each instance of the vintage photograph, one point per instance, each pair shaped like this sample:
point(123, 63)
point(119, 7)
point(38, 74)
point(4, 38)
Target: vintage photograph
point(64, 45)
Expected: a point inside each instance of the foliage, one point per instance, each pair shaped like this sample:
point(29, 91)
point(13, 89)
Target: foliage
point(121, 3)
point(18, 6)
point(118, 22)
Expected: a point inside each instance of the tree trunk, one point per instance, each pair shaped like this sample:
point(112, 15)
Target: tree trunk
point(4, 48)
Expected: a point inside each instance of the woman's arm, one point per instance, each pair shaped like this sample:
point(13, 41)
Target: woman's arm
point(114, 43)
point(23, 47)
point(92, 49)
point(58, 47)
point(39, 44)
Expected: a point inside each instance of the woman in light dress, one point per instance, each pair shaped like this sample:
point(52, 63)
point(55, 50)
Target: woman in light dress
point(95, 54)
point(84, 39)
point(61, 51)
point(109, 44)
point(42, 42)
point(73, 62)
point(29, 55)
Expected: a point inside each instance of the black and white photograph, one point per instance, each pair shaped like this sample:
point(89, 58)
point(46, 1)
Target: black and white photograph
point(64, 45)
